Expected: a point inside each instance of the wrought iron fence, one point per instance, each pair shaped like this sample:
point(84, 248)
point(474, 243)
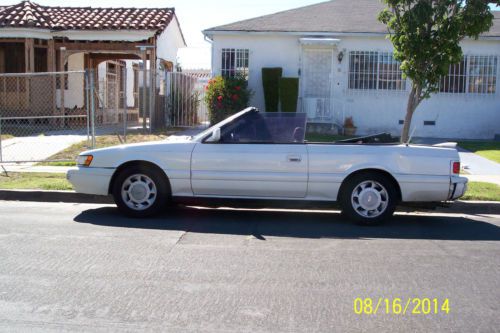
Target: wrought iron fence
point(185, 100)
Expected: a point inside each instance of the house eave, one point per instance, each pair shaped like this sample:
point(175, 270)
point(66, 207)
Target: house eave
point(210, 33)
point(106, 35)
point(25, 33)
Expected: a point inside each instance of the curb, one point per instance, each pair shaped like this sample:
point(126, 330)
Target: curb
point(457, 207)
point(472, 207)
point(53, 196)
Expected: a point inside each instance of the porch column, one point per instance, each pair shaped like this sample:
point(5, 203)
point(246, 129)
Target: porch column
point(29, 67)
point(152, 100)
point(29, 55)
point(144, 57)
point(51, 67)
point(62, 61)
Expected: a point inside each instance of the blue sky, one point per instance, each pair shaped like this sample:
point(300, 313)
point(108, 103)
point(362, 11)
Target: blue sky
point(194, 16)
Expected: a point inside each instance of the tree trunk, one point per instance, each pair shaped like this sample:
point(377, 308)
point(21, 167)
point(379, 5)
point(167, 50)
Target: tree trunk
point(413, 101)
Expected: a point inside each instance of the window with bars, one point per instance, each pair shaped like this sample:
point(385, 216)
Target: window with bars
point(235, 62)
point(456, 80)
point(474, 75)
point(369, 70)
point(482, 74)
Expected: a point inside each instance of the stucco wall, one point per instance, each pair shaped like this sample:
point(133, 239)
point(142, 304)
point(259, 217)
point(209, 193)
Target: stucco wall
point(169, 42)
point(74, 95)
point(456, 115)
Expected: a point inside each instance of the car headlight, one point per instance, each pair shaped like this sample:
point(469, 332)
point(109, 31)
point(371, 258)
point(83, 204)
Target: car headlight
point(84, 160)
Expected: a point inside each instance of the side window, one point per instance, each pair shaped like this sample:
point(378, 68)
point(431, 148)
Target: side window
point(266, 128)
point(235, 62)
point(243, 130)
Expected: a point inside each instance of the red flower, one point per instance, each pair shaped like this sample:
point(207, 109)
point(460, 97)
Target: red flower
point(219, 98)
point(237, 88)
point(235, 97)
point(206, 88)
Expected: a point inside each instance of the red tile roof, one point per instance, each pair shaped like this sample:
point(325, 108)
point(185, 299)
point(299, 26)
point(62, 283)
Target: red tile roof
point(27, 14)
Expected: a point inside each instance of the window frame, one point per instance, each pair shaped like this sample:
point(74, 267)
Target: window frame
point(235, 61)
point(375, 73)
point(493, 73)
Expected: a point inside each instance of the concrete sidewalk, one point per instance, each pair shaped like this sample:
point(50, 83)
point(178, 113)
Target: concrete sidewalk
point(478, 165)
point(29, 167)
point(37, 148)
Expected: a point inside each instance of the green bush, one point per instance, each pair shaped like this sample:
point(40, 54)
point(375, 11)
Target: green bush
point(289, 93)
point(226, 96)
point(271, 81)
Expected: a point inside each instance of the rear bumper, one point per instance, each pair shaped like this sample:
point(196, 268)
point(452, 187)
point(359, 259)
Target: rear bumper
point(458, 186)
point(90, 180)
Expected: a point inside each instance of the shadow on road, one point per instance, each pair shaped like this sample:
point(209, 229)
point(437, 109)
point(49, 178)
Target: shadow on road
point(262, 224)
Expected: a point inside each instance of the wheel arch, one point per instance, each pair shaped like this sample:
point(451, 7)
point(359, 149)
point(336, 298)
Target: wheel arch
point(129, 164)
point(371, 171)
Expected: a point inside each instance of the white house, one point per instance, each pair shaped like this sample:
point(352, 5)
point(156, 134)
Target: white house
point(344, 61)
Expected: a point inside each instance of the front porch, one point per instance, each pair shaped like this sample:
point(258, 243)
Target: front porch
point(32, 72)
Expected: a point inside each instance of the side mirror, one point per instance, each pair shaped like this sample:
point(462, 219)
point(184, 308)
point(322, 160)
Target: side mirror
point(215, 137)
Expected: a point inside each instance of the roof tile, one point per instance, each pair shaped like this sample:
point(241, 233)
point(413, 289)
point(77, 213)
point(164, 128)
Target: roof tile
point(29, 14)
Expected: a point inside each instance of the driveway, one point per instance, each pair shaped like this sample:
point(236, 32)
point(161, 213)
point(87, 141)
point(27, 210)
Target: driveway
point(480, 169)
point(75, 267)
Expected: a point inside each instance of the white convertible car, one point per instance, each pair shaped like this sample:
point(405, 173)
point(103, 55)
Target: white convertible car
point(263, 156)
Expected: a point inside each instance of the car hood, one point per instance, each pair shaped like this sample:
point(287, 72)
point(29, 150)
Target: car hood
point(156, 152)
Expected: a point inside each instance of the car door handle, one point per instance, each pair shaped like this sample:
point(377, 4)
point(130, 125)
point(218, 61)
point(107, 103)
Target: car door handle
point(294, 158)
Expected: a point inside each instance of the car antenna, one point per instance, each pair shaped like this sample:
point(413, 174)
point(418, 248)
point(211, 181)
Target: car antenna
point(411, 136)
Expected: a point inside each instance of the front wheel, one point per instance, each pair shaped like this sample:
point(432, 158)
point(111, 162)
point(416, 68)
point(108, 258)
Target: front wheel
point(140, 191)
point(368, 199)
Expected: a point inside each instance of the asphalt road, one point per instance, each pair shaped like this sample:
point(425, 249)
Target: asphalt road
point(74, 267)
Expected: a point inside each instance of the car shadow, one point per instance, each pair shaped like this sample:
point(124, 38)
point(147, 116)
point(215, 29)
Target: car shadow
point(298, 224)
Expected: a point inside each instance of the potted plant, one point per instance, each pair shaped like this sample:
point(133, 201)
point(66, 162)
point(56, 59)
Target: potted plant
point(349, 128)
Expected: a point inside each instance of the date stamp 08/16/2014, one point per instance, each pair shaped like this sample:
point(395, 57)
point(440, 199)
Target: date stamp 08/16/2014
point(399, 306)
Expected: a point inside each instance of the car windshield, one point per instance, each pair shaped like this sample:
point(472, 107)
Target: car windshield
point(261, 127)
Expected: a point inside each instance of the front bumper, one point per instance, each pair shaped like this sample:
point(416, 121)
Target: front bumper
point(458, 186)
point(90, 180)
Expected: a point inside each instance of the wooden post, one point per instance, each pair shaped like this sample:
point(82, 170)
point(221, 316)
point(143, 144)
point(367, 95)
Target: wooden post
point(144, 57)
point(29, 64)
point(62, 61)
point(29, 55)
point(152, 96)
point(51, 67)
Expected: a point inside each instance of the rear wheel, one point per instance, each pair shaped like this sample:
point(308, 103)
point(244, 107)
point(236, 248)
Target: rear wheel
point(369, 198)
point(141, 191)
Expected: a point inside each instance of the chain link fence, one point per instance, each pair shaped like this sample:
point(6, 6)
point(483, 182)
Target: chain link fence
point(42, 114)
point(38, 118)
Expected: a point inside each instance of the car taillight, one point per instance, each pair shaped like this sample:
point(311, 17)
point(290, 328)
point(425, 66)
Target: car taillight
point(456, 168)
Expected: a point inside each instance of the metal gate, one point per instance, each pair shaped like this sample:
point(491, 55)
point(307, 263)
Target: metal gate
point(185, 100)
point(317, 72)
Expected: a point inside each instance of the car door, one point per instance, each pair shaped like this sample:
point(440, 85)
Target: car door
point(239, 166)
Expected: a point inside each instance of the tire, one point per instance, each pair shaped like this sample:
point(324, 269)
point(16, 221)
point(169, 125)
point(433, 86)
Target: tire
point(368, 198)
point(141, 191)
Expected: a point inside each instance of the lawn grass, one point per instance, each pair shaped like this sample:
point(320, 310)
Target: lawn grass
point(67, 156)
point(487, 149)
point(34, 180)
point(482, 191)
